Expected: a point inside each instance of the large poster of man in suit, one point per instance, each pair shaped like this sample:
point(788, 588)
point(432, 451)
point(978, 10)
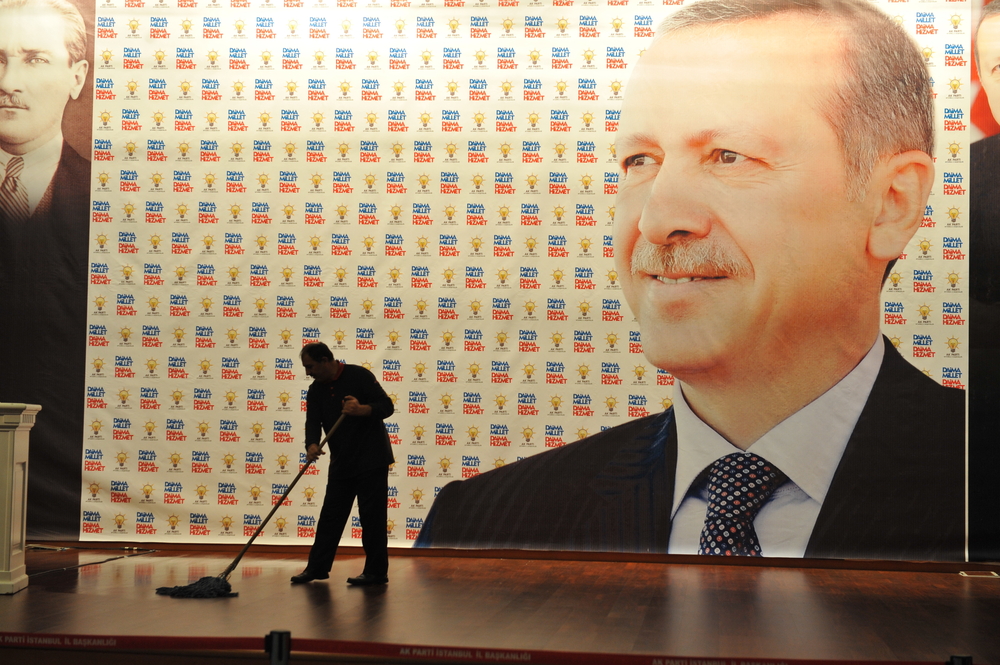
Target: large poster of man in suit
point(776, 160)
point(45, 110)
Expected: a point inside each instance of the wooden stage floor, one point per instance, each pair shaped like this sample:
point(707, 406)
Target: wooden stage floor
point(607, 607)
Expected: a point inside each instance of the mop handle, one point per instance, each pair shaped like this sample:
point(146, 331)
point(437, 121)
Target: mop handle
point(225, 574)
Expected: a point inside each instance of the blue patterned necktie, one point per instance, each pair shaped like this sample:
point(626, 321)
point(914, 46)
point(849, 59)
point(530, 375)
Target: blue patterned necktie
point(13, 195)
point(738, 485)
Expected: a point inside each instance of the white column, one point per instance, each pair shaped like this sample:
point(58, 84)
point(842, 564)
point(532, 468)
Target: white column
point(15, 422)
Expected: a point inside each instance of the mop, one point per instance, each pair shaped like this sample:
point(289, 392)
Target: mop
point(219, 587)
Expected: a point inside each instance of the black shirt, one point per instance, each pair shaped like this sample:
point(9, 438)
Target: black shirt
point(361, 443)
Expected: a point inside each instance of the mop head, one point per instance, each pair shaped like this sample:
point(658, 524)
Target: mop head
point(206, 587)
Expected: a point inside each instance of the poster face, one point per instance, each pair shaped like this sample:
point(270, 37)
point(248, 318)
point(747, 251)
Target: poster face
point(439, 191)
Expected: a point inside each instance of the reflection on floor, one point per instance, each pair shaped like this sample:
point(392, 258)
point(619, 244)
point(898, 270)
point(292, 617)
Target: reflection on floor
point(706, 611)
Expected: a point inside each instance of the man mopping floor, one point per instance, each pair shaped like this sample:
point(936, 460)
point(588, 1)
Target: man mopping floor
point(359, 468)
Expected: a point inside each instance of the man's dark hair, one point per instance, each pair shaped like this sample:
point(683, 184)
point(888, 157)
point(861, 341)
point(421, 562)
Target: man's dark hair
point(318, 351)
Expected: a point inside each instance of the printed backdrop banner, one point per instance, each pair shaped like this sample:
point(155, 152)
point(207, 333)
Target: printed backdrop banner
point(429, 188)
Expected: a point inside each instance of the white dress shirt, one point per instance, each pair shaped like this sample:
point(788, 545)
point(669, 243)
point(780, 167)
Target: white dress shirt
point(39, 168)
point(806, 446)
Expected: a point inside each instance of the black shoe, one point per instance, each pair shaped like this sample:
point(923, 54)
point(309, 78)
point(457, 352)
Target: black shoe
point(308, 576)
point(364, 579)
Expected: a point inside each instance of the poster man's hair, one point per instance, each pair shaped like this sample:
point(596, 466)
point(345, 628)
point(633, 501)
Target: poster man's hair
point(881, 107)
point(76, 29)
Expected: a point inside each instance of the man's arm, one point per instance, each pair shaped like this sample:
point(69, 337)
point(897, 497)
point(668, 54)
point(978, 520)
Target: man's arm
point(373, 401)
point(314, 426)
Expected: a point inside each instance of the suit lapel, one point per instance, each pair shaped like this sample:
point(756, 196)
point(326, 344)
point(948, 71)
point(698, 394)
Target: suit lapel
point(876, 507)
point(633, 492)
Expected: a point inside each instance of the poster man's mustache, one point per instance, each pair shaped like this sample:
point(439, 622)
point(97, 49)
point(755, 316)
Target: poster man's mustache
point(696, 257)
point(8, 100)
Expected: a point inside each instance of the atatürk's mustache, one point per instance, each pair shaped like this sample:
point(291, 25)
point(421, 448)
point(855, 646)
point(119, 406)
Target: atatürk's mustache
point(8, 100)
point(697, 257)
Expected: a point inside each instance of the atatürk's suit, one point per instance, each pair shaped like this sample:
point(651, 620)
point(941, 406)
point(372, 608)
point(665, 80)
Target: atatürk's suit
point(898, 493)
point(44, 272)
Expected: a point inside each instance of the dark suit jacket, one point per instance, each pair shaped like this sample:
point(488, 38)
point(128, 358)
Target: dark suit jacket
point(44, 273)
point(984, 220)
point(898, 492)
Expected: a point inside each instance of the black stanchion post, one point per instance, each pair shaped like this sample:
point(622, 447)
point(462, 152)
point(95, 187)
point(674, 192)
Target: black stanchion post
point(278, 643)
point(959, 660)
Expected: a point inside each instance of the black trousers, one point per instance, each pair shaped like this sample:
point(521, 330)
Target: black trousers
point(371, 489)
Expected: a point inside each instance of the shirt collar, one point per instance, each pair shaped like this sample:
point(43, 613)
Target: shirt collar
point(806, 446)
point(44, 155)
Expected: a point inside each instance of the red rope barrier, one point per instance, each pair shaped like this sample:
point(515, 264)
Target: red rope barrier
point(417, 653)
